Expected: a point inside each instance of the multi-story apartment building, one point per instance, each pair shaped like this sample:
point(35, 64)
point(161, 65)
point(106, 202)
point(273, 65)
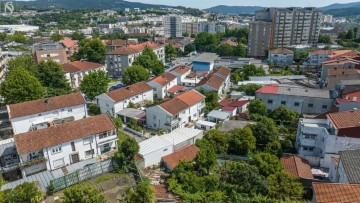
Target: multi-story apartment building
point(117, 100)
point(71, 46)
point(320, 140)
point(194, 28)
point(172, 26)
point(259, 38)
point(65, 144)
point(281, 57)
point(46, 50)
point(121, 58)
point(176, 112)
point(191, 28)
point(43, 113)
point(76, 70)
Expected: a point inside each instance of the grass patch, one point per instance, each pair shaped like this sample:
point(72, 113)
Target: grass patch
point(101, 179)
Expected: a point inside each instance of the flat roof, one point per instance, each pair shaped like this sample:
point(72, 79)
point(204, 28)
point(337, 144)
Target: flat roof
point(207, 123)
point(130, 112)
point(153, 144)
point(206, 57)
point(180, 135)
point(267, 78)
point(218, 114)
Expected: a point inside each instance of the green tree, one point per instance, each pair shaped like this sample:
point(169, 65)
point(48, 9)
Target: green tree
point(205, 158)
point(284, 186)
point(186, 34)
point(325, 39)
point(92, 50)
point(158, 68)
point(135, 74)
point(77, 36)
point(18, 37)
point(217, 140)
point(285, 115)
point(267, 163)
point(241, 141)
point(56, 37)
point(189, 48)
point(52, 76)
point(240, 50)
point(237, 76)
point(225, 50)
point(275, 148)
point(25, 192)
point(249, 89)
point(83, 194)
point(265, 131)
point(256, 106)
point(150, 61)
point(144, 193)
point(205, 39)
point(251, 70)
point(127, 149)
point(94, 83)
point(25, 62)
point(350, 34)
point(118, 123)
point(21, 86)
point(3, 36)
point(170, 51)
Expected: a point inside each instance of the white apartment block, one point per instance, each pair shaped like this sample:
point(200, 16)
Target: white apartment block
point(65, 144)
point(43, 113)
point(172, 26)
point(162, 83)
point(117, 100)
point(320, 140)
point(176, 112)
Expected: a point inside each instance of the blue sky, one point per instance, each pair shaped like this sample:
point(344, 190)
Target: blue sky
point(266, 3)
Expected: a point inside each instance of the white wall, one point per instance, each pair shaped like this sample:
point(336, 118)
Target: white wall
point(155, 156)
point(76, 78)
point(161, 91)
point(23, 124)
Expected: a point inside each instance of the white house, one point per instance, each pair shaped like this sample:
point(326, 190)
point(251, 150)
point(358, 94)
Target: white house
point(65, 144)
point(121, 58)
point(212, 82)
point(320, 140)
point(76, 70)
point(181, 72)
point(162, 83)
point(224, 73)
point(316, 57)
point(42, 113)
point(117, 100)
point(153, 149)
point(281, 57)
point(176, 112)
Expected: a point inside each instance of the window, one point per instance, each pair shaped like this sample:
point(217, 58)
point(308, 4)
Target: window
point(39, 114)
point(310, 105)
point(59, 163)
point(306, 148)
point(105, 134)
point(296, 104)
point(310, 136)
point(87, 141)
point(73, 146)
point(154, 116)
point(154, 125)
point(56, 149)
point(283, 102)
point(107, 104)
point(165, 150)
point(55, 113)
point(69, 110)
point(89, 153)
point(324, 106)
point(270, 101)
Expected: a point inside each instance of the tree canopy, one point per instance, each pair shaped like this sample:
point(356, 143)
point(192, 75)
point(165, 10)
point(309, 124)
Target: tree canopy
point(83, 194)
point(25, 192)
point(249, 89)
point(56, 37)
point(91, 50)
point(135, 74)
point(267, 164)
point(205, 41)
point(170, 51)
point(143, 193)
point(284, 186)
point(256, 106)
point(25, 62)
point(150, 61)
point(94, 83)
point(265, 131)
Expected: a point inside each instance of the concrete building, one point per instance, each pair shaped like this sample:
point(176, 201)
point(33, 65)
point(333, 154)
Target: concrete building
point(172, 26)
point(300, 99)
point(76, 70)
point(117, 100)
point(321, 140)
point(190, 28)
point(259, 38)
point(121, 58)
point(46, 50)
point(327, 19)
point(281, 57)
point(176, 112)
point(204, 62)
point(335, 76)
point(71, 46)
point(43, 113)
point(317, 57)
point(181, 72)
point(235, 63)
point(162, 83)
point(212, 82)
point(65, 144)
point(343, 63)
point(345, 168)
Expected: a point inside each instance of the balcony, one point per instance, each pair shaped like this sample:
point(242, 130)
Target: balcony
point(33, 162)
point(173, 122)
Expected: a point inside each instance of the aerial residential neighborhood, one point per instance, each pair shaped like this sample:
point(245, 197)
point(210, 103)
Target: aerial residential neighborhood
point(179, 101)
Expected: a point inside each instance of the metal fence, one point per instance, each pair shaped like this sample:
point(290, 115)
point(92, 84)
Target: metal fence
point(81, 175)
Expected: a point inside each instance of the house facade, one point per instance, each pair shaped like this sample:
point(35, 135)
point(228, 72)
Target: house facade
point(47, 50)
point(281, 57)
point(205, 62)
point(176, 112)
point(43, 113)
point(212, 82)
point(71, 46)
point(162, 83)
point(66, 144)
point(117, 100)
point(181, 72)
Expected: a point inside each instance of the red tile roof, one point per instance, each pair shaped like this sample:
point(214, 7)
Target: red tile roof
point(223, 71)
point(340, 61)
point(323, 115)
point(268, 89)
point(129, 91)
point(188, 153)
point(336, 193)
point(175, 89)
point(164, 78)
point(232, 103)
point(345, 119)
point(213, 81)
point(229, 42)
point(68, 42)
point(44, 105)
point(281, 51)
point(228, 108)
point(182, 101)
point(297, 166)
point(39, 139)
point(133, 49)
point(331, 53)
point(77, 66)
point(349, 97)
point(181, 70)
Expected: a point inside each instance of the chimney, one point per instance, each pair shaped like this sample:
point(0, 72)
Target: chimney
point(46, 101)
point(354, 109)
point(354, 99)
point(128, 87)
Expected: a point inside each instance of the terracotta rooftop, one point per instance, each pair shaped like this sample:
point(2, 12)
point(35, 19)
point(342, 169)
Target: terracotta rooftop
point(331, 53)
point(77, 66)
point(336, 193)
point(323, 115)
point(345, 119)
point(187, 153)
point(68, 42)
point(340, 61)
point(225, 72)
point(39, 139)
point(281, 51)
point(232, 103)
point(44, 105)
point(268, 89)
point(297, 166)
point(129, 91)
point(182, 101)
point(349, 97)
point(164, 78)
point(133, 49)
point(175, 88)
point(343, 72)
point(213, 81)
point(229, 42)
point(181, 70)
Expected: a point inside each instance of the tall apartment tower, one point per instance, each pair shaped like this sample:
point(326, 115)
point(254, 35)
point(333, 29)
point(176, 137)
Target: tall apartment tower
point(172, 26)
point(259, 38)
point(290, 26)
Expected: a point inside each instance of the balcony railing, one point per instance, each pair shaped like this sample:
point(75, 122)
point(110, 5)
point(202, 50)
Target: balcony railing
point(173, 122)
point(33, 162)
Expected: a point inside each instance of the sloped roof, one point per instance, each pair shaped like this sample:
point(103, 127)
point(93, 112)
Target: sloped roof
point(152, 144)
point(129, 91)
point(44, 105)
point(281, 51)
point(213, 81)
point(343, 72)
point(164, 78)
point(76, 66)
point(336, 193)
point(297, 166)
point(345, 119)
point(181, 70)
point(39, 139)
point(188, 153)
point(223, 71)
point(68, 42)
point(268, 89)
point(182, 101)
point(133, 49)
point(351, 162)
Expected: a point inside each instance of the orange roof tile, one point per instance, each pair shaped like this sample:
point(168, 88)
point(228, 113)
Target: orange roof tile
point(188, 153)
point(181, 69)
point(39, 139)
point(297, 166)
point(345, 119)
point(68, 42)
point(191, 97)
point(164, 78)
point(336, 193)
point(129, 91)
point(133, 49)
point(281, 51)
point(223, 71)
point(182, 101)
point(76, 66)
point(212, 80)
point(268, 89)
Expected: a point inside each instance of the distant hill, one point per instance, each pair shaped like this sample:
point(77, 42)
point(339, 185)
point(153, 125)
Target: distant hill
point(343, 12)
point(86, 4)
point(340, 6)
point(235, 9)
